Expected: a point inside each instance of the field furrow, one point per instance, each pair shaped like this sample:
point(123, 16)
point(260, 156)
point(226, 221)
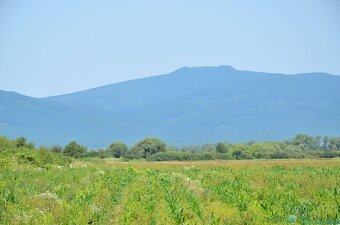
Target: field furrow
point(108, 192)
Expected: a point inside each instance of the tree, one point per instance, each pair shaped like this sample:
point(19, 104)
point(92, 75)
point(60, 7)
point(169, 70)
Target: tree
point(129, 155)
point(117, 149)
point(306, 142)
point(91, 154)
point(102, 153)
point(75, 150)
point(21, 142)
point(56, 149)
point(334, 143)
point(148, 146)
point(239, 154)
point(325, 141)
point(221, 147)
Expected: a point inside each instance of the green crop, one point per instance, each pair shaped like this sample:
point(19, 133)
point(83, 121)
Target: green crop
point(215, 192)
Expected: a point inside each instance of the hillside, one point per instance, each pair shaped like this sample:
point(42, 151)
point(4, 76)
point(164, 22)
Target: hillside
point(188, 106)
point(48, 123)
point(203, 104)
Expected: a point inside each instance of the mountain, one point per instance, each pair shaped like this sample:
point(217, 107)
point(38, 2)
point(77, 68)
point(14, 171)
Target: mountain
point(196, 105)
point(46, 122)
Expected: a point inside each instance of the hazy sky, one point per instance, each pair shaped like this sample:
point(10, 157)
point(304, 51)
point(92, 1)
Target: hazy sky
point(54, 47)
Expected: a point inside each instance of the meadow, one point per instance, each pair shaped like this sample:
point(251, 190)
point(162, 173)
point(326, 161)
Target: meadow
point(109, 191)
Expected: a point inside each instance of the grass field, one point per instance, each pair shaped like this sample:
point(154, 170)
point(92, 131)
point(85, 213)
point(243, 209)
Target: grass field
point(209, 192)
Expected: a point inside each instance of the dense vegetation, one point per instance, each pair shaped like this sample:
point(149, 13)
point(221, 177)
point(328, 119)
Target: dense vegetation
point(300, 146)
point(14, 153)
point(94, 191)
point(65, 185)
point(153, 149)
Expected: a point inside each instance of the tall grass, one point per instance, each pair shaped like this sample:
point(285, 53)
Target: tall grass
point(215, 192)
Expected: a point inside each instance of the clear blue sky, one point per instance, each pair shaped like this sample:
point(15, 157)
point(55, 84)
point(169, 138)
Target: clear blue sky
point(54, 47)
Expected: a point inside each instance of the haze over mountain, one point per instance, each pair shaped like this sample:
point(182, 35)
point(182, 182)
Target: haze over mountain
point(188, 106)
point(49, 123)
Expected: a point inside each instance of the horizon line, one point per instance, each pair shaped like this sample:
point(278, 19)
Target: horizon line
point(172, 71)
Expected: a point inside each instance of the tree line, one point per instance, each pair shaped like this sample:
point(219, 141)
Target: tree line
point(154, 149)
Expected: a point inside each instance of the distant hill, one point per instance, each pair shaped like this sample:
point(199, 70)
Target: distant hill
point(188, 106)
point(49, 123)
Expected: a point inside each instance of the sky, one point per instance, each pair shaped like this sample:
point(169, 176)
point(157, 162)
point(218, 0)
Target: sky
point(52, 47)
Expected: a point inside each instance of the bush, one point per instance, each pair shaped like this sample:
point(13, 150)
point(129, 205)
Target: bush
point(56, 149)
point(101, 153)
point(117, 149)
point(5, 143)
point(148, 146)
point(21, 142)
point(129, 155)
point(30, 158)
point(221, 147)
point(186, 156)
point(75, 150)
point(4, 165)
point(42, 158)
point(279, 155)
point(330, 154)
point(91, 154)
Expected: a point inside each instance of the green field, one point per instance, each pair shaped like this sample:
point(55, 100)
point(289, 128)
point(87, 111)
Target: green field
point(96, 191)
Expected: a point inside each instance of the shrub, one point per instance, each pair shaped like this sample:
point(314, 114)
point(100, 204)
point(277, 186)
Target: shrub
point(91, 154)
point(101, 153)
point(279, 155)
point(129, 155)
point(186, 156)
point(117, 149)
point(56, 149)
point(30, 158)
point(148, 146)
point(221, 147)
point(21, 142)
point(330, 154)
point(4, 165)
point(5, 143)
point(75, 150)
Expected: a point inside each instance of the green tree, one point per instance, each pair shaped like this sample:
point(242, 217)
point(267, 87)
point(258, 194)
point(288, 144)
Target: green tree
point(148, 146)
point(91, 154)
point(306, 142)
point(129, 155)
point(56, 149)
point(221, 147)
point(117, 149)
point(325, 144)
point(75, 150)
point(102, 153)
point(239, 151)
point(334, 143)
point(239, 154)
point(20, 142)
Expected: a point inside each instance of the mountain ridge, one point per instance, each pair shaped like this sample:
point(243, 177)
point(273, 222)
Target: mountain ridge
point(184, 68)
point(193, 105)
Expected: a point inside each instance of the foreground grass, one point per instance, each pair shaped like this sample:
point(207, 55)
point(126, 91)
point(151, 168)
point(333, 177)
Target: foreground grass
point(209, 192)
